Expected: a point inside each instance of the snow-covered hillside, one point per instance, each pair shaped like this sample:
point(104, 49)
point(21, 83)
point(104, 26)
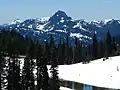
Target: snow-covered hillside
point(64, 88)
point(97, 73)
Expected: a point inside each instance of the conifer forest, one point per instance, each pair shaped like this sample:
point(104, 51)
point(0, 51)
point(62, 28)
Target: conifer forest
point(37, 55)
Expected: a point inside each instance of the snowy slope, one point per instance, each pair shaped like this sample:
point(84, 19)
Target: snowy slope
point(97, 73)
point(64, 88)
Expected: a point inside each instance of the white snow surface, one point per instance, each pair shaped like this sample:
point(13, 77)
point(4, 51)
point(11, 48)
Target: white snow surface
point(65, 88)
point(15, 21)
point(62, 21)
point(40, 27)
point(97, 73)
point(30, 26)
point(44, 19)
point(64, 26)
point(107, 20)
point(95, 21)
point(119, 21)
point(78, 35)
point(78, 25)
point(61, 31)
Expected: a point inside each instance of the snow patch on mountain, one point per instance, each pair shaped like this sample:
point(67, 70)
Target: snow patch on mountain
point(78, 35)
point(61, 31)
point(96, 23)
point(62, 20)
point(30, 26)
point(51, 29)
point(40, 27)
point(119, 21)
point(18, 25)
point(44, 19)
point(23, 24)
point(78, 25)
point(16, 21)
point(64, 26)
point(107, 20)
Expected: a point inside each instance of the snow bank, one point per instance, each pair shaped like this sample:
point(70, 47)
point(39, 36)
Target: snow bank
point(64, 88)
point(97, 73)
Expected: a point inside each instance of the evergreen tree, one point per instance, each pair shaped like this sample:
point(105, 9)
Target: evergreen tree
point(45, 77)
point(59, 52)
point(13, 70)
point(2, 66)
point(27, 74)
point(10, 75)
point(54, 85)
point(88, 55)
point(42, 74)
point(52, 44)
point(95, 47)
point(13, 77)
point(66, 50)
point(109, 43)
point(77, 51)
point(39, 58)
point(16, 75)
point(63, 53)
point(54, 78)
point(114, 46)
point(47, 52)
point(70, 55)
point(101, 49)
point(83, 54)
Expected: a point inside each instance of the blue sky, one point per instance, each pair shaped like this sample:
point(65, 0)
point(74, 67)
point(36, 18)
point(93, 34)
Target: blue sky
point(78, 9)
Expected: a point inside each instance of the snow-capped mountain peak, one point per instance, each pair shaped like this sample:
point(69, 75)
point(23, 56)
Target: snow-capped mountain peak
point(107, 20)
point(44, 19)
point(95, 21)
point(16, 21)
point(59, 15)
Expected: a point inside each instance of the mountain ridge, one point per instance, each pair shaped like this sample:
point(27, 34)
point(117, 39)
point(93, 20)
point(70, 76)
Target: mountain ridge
point(60, 25)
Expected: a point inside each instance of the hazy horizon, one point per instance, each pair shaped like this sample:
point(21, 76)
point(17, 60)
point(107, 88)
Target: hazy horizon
point(77, 9)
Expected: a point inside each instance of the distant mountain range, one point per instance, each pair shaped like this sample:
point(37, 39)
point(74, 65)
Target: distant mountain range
point(60, 25)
